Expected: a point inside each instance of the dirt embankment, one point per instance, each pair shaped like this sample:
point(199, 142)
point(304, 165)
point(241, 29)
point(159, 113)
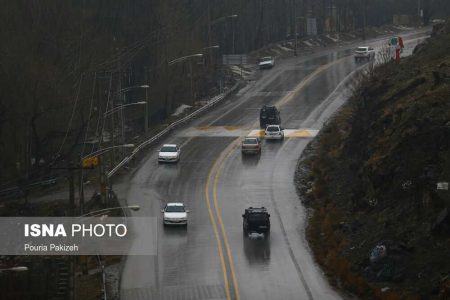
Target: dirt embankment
point(380, 225)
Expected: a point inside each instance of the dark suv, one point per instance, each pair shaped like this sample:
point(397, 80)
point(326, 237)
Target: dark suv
point(256, 220)
point(269, 115)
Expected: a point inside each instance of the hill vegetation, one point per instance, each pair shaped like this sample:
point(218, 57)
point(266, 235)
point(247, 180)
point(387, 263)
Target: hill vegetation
point(376, 181)
point(64, 63)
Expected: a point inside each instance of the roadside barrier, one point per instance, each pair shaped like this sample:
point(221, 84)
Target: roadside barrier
point(213, 102)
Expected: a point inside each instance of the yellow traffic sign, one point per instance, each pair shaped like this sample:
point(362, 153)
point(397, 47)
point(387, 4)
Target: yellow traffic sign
point(89, 162)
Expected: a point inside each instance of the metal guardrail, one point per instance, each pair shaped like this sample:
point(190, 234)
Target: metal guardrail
point(11, 191)
point(172, 126)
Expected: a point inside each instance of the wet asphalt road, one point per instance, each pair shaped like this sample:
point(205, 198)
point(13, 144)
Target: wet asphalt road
point(211, 259)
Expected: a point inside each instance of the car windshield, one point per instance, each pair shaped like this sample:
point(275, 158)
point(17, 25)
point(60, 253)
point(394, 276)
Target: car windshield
point(272, 128)
point(251, 141)
point(257, 217)
point(267, 58)
point(361, 49)
point(175, 208)
point(169, 149)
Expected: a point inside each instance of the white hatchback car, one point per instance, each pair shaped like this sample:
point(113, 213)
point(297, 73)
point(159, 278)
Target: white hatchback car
point(367, 53)
point(169, 153)
point(175, 214)
point(266, 62)
point(274, 132)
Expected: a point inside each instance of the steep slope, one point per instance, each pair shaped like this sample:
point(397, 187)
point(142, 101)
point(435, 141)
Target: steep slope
point(380, 227)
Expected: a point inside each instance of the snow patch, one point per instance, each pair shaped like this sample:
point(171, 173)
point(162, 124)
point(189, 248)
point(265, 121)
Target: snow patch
point(332, 38)
point(284, 48)
point(180, 109)
point(238, 70)
point(276, 51)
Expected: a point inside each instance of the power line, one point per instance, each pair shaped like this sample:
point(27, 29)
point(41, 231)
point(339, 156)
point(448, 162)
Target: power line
point(69, 125)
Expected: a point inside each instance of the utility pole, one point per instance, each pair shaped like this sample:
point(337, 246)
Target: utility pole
point(71, 189)
point(192, 80)
point(364, 19)
point(100, 160)
point(81, 191)
point(295, 27)
point(146, 107)
point(71, 178)
point(113, 131)
point(101, 176)
point(209, 33)
point(122, 115)
point(233, 23)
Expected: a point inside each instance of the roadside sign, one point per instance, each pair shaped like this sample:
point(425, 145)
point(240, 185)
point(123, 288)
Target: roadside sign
point(442, 186)
point(393, 41)
point(89, 162)
point(234, 59)
point(311, 26)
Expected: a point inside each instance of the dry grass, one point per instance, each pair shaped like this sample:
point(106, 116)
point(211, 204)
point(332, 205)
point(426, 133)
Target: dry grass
point(380, 132)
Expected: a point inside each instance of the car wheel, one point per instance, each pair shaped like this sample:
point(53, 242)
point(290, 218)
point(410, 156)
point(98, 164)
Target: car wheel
point(244, 232)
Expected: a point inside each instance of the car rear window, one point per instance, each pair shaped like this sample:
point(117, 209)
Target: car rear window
point(361, 49)
point(175, 208)
point(257, 217)
point(271, 111)
point(273, 128)
point(169, 149)
point(251, 141)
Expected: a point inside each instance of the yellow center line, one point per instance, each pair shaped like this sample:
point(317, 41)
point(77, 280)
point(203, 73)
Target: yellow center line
point(216, 233)
point(230, 150)
point(307, 80)
point(219, 162)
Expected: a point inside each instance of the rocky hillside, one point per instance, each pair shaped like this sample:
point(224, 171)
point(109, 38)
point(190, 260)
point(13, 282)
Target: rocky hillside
point(375, 180)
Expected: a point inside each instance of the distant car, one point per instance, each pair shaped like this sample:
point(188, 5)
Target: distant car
point(269, 115)
point(367, 53)
point(266, 62)
point(274, 132)
point(256, 220)
point(251, 145)
point(169, 153)
point(175, 214)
